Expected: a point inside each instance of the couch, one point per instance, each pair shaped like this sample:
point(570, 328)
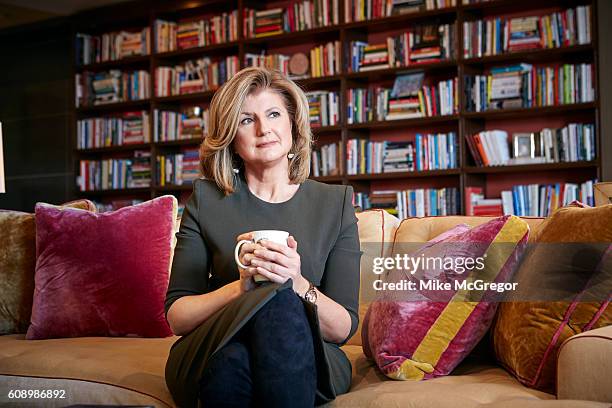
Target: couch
point(130, 371)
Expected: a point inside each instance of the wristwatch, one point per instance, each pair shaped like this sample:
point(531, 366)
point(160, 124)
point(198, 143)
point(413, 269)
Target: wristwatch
point(311, 294)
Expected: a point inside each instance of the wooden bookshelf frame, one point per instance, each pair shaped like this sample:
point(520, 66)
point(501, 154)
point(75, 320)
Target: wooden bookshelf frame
point(467, 174)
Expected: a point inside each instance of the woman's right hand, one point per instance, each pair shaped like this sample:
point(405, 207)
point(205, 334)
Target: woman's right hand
point(245, 255)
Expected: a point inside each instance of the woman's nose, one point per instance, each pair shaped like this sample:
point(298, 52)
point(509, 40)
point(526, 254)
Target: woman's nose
point(264, 127)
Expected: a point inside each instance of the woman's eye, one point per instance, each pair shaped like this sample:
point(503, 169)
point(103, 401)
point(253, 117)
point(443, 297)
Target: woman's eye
point(246, 121)
point(275, 114)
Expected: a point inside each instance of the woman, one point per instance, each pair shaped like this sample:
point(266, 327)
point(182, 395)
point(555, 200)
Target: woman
point(277, 343)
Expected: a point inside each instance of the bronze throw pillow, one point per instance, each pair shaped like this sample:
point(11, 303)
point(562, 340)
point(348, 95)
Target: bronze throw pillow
point(564, 289)
point(17, 265)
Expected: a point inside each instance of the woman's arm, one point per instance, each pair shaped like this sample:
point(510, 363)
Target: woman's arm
point(188, 312)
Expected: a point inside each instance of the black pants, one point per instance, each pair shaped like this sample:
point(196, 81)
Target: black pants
point(269, 363)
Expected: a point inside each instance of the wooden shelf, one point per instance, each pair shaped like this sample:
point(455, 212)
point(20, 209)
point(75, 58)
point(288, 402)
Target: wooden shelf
point(120, 191)
point(314, 35)
point(399, 21)
point(404, 174)
point(112, 149)
point(530, 112)
point(328, 179)
point(389, 73)
point(221, 48)
point(537, 55)
point(390, 124)
point(119, 106)
point(325, 129)
point(530, 167)
point(181, 142)
point(309, 83)
point(190, 97)
point(138, 60)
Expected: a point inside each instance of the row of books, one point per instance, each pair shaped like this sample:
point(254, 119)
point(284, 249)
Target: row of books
point(110, 87)
point(573, 142)
point(327, 160)
point(111, 46)
point(129, 128)
point(427, 152)
point(362, 10)
point(193, 76)
point(110, 174)
point(531, 200)
point(189, 123)
point(279, 62)
point(523, 86)
point(422, 44)
point(500, 35)
point(178, 169)
point(299, 16)
point(170, 35)
point(323, 108)
point(367, 104)
point(420, 202)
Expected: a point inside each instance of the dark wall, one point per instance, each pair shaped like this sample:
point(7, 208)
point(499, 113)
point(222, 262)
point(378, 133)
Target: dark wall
point(36, 114)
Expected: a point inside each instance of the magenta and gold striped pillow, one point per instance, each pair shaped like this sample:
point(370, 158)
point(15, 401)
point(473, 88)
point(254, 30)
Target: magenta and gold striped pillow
point(425, 333)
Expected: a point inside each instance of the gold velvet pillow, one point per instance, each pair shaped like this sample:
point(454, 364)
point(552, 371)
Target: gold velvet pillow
point(565, 251)
point(17, 265)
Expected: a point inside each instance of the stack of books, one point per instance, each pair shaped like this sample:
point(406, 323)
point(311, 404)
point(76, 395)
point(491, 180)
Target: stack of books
point(325, 60)
point(268, 22)
point(279, 62)
point(371, 57)
point(190, 123)
point(178, 169)
point(200, 33)
point(129, 128)
point(112, 46)
point(111, 87)
point(323, 108)
point(194, 76)
point(110, 174)
point(327, 160)
point(522, 85)
point(477, 204)
point(499, 35)
point(421, 45)
point(362, 10)
point(165, 35)
point(404, 101)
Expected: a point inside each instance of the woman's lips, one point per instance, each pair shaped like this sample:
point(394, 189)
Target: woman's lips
point(267, 144)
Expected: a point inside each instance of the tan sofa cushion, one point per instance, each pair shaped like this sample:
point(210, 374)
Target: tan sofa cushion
point(583, 367)
point(376, 231)
point(134, 364)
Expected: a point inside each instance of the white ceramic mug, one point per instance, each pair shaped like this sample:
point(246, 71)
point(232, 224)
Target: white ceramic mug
point(279, 237)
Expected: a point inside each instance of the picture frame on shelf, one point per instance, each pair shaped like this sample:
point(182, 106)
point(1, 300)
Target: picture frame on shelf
point(523, 145)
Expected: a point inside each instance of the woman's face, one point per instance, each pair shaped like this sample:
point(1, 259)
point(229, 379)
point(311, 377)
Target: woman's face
point(264, 129)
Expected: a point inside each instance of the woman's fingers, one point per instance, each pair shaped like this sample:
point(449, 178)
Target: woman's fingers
point(245, 235)
point(274, 277)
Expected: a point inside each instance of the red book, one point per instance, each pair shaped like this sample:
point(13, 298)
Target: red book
point(469, 192)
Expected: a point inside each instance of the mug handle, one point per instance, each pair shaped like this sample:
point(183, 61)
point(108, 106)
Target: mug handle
point(237, 252)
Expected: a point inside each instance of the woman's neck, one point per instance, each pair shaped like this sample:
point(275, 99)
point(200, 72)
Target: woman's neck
point(271, 186)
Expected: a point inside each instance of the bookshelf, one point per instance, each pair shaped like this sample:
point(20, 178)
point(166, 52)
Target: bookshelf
point(463, 122)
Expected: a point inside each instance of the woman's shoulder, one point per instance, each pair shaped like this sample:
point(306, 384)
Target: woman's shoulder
point(206, 189)
point(323, 191)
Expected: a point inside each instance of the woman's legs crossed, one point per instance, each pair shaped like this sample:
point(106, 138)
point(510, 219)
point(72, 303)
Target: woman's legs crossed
point(282, 354)
point(269, 363)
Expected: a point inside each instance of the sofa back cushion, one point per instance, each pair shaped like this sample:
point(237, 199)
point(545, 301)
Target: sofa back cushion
point(376, 231)
point(17, 265)
point(420, 333)
point(102, 274)
point(571, 249)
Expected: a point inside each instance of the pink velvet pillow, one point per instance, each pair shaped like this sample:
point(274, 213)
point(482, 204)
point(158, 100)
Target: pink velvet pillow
point(102, 274)
point(422, 333)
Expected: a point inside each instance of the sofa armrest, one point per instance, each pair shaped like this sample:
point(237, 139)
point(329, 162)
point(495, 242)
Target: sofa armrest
point(584, 366)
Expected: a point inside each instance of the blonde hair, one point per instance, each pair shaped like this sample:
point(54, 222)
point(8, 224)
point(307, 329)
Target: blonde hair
point(217, 158)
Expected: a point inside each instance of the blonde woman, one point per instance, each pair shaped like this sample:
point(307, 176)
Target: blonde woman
point(273, 344)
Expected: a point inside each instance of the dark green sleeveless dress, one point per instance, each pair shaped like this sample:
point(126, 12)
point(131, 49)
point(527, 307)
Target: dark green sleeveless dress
point(322, 220)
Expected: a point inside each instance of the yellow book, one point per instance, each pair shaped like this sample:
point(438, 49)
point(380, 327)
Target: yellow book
point(162, 173)
point(489, 88)
point(422, 103)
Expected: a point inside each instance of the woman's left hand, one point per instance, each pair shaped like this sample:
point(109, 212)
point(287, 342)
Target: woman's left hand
point(279, 263)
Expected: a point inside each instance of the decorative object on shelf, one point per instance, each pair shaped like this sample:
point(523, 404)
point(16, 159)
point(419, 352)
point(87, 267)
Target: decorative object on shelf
point(298, 64)
point(523, 145)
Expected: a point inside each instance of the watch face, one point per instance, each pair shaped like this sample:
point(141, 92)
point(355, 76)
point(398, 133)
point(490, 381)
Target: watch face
point(311, 296)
